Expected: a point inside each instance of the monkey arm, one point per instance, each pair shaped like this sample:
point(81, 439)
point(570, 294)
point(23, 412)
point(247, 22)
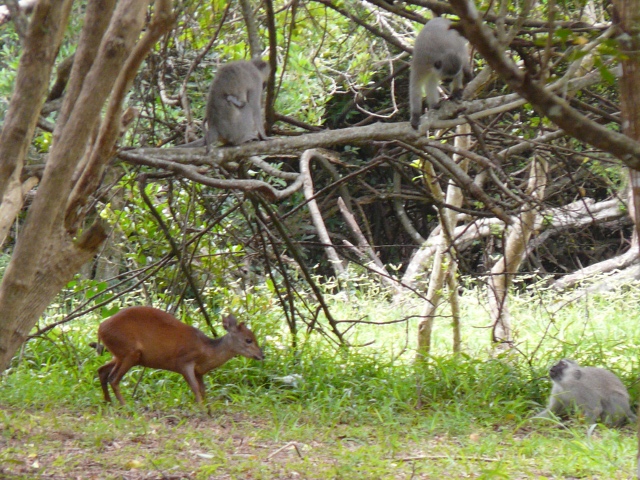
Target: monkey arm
point(558, 404)
point(551, 413)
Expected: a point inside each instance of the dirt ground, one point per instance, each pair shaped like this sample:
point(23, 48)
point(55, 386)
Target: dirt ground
point(59, 445)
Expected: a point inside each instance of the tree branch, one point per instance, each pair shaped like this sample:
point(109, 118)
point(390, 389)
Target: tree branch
point(554, 107)
point(314, 211)
point(110, 128)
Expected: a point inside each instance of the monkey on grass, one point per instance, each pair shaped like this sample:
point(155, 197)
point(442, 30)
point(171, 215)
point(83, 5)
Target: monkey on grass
point(595, 392)
point(440, 54)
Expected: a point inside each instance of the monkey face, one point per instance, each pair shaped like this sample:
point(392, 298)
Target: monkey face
point(556, 372)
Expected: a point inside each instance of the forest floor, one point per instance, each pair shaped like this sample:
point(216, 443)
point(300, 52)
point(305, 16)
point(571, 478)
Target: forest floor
point(359, 413)
point(114, 443)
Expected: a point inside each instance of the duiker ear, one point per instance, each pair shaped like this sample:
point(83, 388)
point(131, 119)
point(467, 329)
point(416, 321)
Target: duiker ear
point(229, 322)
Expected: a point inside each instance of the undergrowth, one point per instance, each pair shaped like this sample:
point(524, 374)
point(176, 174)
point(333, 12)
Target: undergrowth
point(374, 400)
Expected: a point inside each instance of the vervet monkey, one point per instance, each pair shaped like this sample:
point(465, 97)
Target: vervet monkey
point(596, 392)
point(234, 106)
point(439, 55)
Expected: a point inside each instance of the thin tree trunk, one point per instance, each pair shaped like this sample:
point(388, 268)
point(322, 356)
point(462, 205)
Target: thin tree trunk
point(629, 22)
point(444, 262)
point(255, 44)
point(517, 237)
point(40, 48)
point(454, 301)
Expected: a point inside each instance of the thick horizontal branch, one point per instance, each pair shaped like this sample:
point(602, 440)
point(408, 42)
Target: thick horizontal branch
point(187, 161)
point(449, 115)
point(286, 145)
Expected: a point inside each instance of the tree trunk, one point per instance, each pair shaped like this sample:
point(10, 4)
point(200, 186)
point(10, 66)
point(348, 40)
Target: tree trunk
point(47, 254)
point(628, 17)
point(629, 22)
point(314, 211)
point(517, 237)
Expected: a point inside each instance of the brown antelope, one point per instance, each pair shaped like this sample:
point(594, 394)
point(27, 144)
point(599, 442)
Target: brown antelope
point(156, 339)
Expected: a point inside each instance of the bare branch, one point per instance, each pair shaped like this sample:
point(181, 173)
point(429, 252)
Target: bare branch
point(316, 216)
point(194, 174)
point(554, 107)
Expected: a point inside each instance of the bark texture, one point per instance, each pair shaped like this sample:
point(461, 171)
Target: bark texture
point(628, 16)
point(629, 23)
point(49, 252)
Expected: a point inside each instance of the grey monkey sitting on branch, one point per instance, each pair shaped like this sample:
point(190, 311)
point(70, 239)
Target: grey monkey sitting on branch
point(234, 104)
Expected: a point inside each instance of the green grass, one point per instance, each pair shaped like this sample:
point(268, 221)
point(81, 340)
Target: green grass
point(356, 412)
